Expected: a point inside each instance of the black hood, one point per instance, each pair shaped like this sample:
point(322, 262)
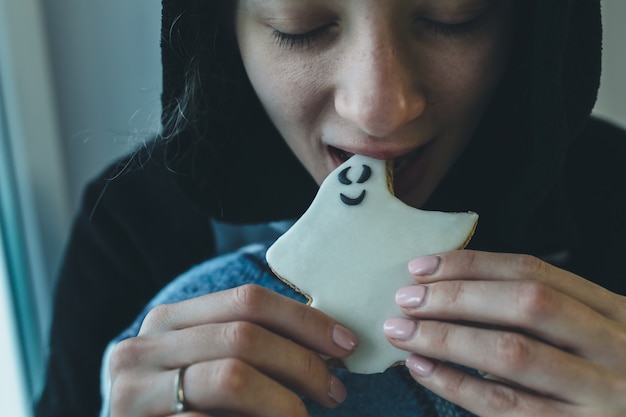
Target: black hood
point(233, 163)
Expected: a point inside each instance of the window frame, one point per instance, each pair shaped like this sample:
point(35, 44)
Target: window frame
point(34, 208)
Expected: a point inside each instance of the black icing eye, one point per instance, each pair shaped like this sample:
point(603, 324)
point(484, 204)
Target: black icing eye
point(365, 175)
point(343, 176)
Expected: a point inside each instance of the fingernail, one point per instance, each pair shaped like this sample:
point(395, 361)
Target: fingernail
point(411, 297)
point(344, 338)
point(420, 365)
point(400, 328)
point(423, 266)
point(336, 390)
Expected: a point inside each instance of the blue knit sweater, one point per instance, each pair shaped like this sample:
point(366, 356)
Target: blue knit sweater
point(393, 393)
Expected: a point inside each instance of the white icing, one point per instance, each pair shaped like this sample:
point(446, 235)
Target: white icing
point(351, 260)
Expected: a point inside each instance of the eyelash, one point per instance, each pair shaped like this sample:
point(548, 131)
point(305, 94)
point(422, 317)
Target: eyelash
point(306, 41)
point(451, 30)
point(302, 41)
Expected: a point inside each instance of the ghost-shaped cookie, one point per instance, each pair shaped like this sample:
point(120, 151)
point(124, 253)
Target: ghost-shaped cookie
point(349, 251)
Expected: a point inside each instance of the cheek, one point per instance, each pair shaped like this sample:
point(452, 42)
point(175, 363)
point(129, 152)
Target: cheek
point(288, 89)
point(470, 72)
point(467, 82)
point(293, 98)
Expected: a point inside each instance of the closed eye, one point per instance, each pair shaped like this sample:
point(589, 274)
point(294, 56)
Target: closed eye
point(450, 30)
point(302, 41)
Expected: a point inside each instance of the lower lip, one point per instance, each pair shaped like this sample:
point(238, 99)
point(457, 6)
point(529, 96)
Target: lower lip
point(411, 174)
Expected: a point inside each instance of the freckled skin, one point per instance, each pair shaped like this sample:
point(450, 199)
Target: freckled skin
point(374, 79)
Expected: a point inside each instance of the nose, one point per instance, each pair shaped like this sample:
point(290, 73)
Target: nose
point(378, 89)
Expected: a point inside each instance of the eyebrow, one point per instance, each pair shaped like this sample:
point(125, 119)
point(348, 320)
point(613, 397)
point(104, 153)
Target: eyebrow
point(281, 11)
point(284, 6)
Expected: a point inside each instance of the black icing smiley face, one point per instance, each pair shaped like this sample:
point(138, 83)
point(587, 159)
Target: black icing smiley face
point(343, 179)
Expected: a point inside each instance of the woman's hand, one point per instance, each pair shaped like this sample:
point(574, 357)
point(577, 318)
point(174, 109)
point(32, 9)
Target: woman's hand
point(551, 343)
point(247, 352)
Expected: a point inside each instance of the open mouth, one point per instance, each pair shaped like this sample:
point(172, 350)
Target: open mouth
point(408, 169)
point(399, 164)
point(402, 162)
point(339, 154)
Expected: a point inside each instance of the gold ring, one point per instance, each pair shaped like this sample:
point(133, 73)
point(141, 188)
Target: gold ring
point(179, 403)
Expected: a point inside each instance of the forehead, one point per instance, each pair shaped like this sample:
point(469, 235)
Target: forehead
point(274, 5)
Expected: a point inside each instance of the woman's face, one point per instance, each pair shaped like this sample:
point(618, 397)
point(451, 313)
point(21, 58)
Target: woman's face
point(396, 79)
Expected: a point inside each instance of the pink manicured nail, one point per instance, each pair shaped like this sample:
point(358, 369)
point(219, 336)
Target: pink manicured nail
point(426, 265)
point(411, 297)
point(344, 338)
point(400, 328)
point(336, 390)
point(420, 365)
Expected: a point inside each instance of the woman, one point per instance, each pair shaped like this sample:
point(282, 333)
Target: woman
point(484, 105)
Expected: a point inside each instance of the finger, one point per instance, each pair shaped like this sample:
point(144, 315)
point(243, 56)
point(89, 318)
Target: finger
point(469, 265)
point(290, 318)
point(281, 359)
point(509, 356)
point(239, 388)
point(535, 307)
point(479, 396)
point(229, 387)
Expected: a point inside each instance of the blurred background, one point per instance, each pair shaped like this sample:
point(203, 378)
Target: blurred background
point(79, 87)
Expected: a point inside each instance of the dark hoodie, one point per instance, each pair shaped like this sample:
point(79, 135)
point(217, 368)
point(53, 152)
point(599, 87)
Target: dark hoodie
point(544, 177)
